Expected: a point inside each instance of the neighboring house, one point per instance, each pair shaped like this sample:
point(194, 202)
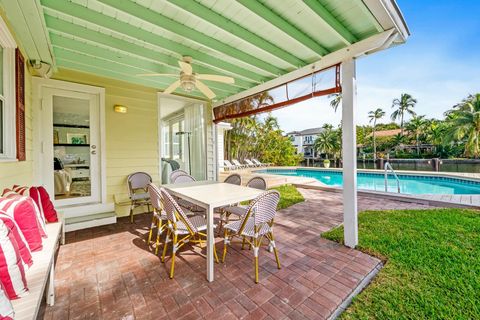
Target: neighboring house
point(304, 140)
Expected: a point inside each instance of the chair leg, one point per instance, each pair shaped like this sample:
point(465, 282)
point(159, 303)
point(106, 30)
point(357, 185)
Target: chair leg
point(174, 250)
point(215, 253)
point(152, 226)
point(243, 242)
point(225, 245)
point(131, 212)
point(159, 233)
point(256, 250)
point(272, 244)
point(167, 239)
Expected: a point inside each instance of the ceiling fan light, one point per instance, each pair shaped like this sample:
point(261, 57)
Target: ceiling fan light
point(188, 85)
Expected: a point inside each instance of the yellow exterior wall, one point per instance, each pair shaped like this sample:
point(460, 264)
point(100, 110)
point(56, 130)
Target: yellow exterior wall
point(20, 172)
point(131, 138)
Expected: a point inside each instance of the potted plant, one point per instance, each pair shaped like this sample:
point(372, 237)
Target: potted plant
point(326, 163)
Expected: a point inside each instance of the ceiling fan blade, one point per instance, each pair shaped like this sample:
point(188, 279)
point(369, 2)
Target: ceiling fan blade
point(205, 90)
point(186, 67)
point(156, 74)
point(172, 87)
point(214, 77)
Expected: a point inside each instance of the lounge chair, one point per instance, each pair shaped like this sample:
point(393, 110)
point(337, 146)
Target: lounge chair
point(228, 165)
point(238, 164)
point(261, 163)
point(250, 163)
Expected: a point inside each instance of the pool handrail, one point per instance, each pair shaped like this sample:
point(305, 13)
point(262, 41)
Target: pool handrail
point(389, 166)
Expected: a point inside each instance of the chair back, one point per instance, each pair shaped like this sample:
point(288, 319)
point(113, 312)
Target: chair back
point(250, 163)
point(257, 183)
point(155, 197)
point(182, 178)
point(234, 178)
point(228, 163)
point(257, 162)
point(138, 180)
point(262, 209)
point(174, 212)
point(176, 173)
point(237, 163)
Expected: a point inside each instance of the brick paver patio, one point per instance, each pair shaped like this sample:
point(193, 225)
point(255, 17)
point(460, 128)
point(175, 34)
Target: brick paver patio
point(109, 272)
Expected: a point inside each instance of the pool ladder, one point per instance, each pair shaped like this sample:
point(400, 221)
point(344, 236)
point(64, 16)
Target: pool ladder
point(388, 167)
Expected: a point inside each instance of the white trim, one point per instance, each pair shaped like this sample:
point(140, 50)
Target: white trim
point(355, 50)
point(388, 15)
point(7, 42)
point(6, 38)
point(90, 223)
point(88, 209)
point(38, 85)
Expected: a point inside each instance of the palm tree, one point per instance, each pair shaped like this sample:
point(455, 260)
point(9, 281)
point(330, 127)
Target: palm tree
point(336, 100)
point(466, 124)
point(374, 116)
point(416, 126)
point(397, 141)
point(404, 106)
point(327, 142)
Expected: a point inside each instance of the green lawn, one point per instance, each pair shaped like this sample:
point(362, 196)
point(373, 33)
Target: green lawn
point(432, 268)
point(289, 195)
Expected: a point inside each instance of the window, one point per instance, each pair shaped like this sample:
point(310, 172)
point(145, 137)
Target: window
point(7, 94)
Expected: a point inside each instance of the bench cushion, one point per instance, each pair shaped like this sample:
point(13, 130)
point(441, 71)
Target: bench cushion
point(12, 273)
point(6, 308)
point(23, 247)
point(41, 198)
point(24, 211)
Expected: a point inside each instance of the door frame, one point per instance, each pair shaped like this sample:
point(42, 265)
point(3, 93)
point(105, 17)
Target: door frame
point(38, 135)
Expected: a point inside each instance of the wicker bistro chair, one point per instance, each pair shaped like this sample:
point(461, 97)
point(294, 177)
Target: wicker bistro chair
point(178, 172)
point(159, 215)
point(137, 189)
point(184, 178)
point(181, 229)
point(254, 226)
point(239, 210)
point(234, 178)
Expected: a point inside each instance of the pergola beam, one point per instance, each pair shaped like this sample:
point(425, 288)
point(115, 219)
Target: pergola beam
point(171, 25)
point(122, 59)
point(109, 23)
point(339, 29)
point(218, 20)
point(267, 14)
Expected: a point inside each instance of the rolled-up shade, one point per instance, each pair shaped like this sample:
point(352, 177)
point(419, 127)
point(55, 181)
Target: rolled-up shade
point(319, 83)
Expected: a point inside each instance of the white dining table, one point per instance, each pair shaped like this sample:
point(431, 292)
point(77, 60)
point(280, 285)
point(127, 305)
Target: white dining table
point(210, 195)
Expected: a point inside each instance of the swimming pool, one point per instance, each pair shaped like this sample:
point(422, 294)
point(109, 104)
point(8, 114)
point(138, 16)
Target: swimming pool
point(409, 184)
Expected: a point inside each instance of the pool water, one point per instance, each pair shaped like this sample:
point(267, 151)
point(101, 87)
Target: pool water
point(409, 184)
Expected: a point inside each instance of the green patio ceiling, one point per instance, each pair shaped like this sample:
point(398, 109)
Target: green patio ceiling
point(250, 40)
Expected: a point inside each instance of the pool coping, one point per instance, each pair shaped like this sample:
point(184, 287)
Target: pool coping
point(426, 199)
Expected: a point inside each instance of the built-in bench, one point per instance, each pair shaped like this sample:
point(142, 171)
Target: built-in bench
point(40, 275)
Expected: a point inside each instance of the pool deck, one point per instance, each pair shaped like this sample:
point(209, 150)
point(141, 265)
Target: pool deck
point(437, 200)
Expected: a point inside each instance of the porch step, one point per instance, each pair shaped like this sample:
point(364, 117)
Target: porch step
point(89, 221)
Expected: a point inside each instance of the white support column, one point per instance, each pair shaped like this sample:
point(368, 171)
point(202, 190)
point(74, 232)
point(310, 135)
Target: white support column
point(349, 146)
point(221, 128)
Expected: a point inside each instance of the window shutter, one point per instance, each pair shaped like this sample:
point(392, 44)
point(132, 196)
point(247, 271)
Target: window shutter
point(20, 104)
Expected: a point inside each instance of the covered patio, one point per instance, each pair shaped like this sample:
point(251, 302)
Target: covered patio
point(145, 86)
point(109, 273)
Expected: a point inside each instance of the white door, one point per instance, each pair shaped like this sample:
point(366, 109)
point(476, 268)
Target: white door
point(71, 150)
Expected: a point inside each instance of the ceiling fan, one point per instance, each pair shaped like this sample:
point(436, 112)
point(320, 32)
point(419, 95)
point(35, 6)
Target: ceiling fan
point(189, 79)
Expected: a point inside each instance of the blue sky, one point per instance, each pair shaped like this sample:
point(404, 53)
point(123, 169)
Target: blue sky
point(439, 65)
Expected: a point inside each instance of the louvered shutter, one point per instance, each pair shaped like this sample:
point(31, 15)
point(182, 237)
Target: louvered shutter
point(20, 104)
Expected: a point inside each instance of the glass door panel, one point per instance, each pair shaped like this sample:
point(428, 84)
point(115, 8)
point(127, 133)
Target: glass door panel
point(72, 147)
